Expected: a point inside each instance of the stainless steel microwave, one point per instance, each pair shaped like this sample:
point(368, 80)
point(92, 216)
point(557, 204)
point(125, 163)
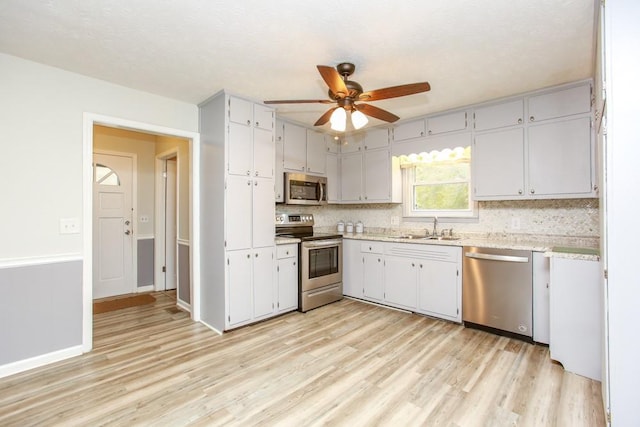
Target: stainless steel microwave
point(303, 189)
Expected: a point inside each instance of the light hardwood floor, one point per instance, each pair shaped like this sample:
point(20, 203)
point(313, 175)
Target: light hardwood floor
point(348, 363)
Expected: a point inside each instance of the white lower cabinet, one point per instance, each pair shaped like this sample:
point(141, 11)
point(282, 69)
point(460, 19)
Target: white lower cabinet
point(400, 281)
point(540, 298)
point(422, 278)
point(372, 281)
point(439, 285)
point(287, 278)
point(250, 285)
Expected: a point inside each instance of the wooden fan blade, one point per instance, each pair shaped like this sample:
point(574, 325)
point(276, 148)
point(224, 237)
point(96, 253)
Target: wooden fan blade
point(325, 117)
point(394, 92)
point(333, 80)
point(376, 112)
point(300, 101)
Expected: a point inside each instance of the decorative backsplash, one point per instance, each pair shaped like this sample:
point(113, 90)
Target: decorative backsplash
point(567, 217)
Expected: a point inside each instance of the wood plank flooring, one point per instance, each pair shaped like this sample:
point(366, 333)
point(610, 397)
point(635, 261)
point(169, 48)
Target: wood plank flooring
point(348, 363)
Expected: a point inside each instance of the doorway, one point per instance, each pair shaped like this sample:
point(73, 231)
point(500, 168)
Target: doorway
point(193, 210)
point(167, 213)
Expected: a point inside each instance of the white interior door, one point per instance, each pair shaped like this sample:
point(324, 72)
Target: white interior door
point(112, 225)
point(171, 228)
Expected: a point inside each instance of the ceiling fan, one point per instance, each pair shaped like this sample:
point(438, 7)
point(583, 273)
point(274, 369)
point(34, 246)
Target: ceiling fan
point(347, 92)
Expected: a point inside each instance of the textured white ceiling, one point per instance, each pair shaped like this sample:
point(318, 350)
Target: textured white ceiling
point(468, 50)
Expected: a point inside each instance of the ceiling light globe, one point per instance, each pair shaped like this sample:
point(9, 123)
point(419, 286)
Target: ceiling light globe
point(339, 119)
point(358, 119)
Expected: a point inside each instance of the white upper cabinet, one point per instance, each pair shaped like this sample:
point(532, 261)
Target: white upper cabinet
point(376, 138)
point(451, 122)
point(239, 214)
point(377, 176)
point(279, 168)
point(316, 152)
point(333, 178)
point(333, 144)
point(352, 143)
point(251, 142)
point(498, 164)
point(295, 147)
point(560, 159)
point(351, 177)
point(562, 103)
point(410, 130)
point(501, 115)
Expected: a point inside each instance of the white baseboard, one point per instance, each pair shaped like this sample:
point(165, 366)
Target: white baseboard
point(183, 242)
point(211, 327)
point(36, 362)
point(146, 288)
point(183, 305)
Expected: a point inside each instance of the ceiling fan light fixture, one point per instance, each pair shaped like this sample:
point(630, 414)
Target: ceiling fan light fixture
point(339, 119)
point(358, 119)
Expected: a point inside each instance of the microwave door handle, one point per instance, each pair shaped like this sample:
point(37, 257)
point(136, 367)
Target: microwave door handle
point(321, 192)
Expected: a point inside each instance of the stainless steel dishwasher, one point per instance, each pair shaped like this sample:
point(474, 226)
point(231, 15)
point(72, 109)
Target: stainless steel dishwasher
point(497, 291)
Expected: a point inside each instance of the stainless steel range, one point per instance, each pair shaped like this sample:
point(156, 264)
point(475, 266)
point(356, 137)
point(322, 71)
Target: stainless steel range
point(320, 271)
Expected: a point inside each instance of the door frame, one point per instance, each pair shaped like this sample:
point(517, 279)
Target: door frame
point(88, 121)
point(159, 245)
point(134, 206)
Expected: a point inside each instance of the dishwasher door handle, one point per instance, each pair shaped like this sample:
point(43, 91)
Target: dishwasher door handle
point(491, 257)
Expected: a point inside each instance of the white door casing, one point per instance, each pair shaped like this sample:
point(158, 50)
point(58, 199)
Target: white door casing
point(171, 229)
point(113, 225)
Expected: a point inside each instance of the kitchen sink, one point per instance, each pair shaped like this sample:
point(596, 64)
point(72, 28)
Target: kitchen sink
point(423, 237)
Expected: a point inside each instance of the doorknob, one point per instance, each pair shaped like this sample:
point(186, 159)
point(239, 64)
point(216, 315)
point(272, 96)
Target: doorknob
point(127, 232)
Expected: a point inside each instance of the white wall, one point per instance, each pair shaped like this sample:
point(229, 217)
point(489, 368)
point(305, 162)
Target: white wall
point(41, 130)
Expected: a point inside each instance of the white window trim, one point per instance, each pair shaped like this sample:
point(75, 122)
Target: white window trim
point(470, 215)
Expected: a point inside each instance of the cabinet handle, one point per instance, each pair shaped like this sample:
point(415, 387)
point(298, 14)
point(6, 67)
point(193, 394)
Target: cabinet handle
point(520, 121)
point(378, 259)
point(421, 133)
point(256, 255)
point(359, 148)
point(248, 173)
point(294, 263)
point(365, 197)
point(255, 183)
point(248, 122)
point(531, 119)
point(429, 131)
point(519, 191)
point(257, 124)
point(420, 265)
point(248, 255)
point(413, 264)
point(279, 138)
point(533, 191)
point(303, 168)
point(249, 182)
point(365, 147)
point(369, 247)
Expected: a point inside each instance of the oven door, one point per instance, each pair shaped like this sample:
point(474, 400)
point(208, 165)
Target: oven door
point(320, 263)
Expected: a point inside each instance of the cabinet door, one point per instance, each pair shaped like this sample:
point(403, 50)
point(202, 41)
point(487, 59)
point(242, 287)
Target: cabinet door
point(279, 167)
point(447, 123)
point(240, 149)
point(438, 288)
point(295, 147)
point(498, 115)
point(400, 281)
point(376, 138)
point(377, 176)
point(409, 130)
point(560, 158)
point(353, 268)
point(561, 103)
point(498, 164)
point(263, 298)
point(239, 287)
point(238, 211)
point(333, 145)
point(316, 153)
point(352, 143)
point(288, 284)
point(264, 213)
point(240, 111)
point(351, 178)
point(333, 179)
point(540, 298)
point(263, 153)
point(373, 277)
point(263, 117)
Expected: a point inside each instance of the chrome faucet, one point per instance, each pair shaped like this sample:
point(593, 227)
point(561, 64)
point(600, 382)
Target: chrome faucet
point(435, 226)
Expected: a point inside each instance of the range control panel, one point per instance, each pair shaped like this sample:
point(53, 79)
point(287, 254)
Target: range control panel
point(295, 219)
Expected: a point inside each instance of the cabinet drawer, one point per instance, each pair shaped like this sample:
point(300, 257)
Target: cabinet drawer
point(287, 251)
point(421, 251)
point(371, 247)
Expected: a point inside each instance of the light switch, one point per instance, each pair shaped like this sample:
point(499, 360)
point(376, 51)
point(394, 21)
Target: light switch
point(69, 226)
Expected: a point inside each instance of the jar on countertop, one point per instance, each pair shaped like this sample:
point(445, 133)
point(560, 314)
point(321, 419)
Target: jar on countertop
point(359, 227)
point(349, 227)
point(340, 226)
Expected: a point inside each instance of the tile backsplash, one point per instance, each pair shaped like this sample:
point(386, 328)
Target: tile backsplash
point(567, 217)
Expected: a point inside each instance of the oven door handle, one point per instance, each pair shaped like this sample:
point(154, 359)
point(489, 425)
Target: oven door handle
point(321, 243)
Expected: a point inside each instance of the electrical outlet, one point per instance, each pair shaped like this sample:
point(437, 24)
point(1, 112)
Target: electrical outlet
point(515, 223)
point(144, 218)
point(69, 226)
point(395, 220)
